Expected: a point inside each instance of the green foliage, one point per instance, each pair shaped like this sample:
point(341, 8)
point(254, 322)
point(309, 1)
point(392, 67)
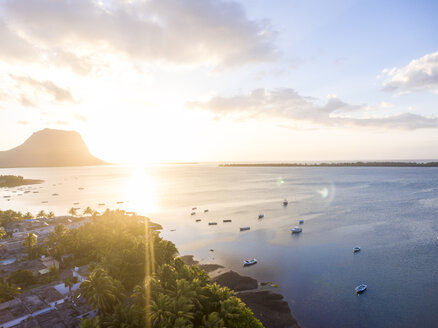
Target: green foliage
point(30, 240)
point(73, 211)
point(2, 233)
point(22, 278)
point(8, 291)
point(9, 217)
point(139, 282)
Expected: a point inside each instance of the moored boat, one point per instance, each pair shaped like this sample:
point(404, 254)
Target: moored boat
point(285, 202)
point(249, 262)
point(261, 216)
point(296, 230)
point(244, 228)
point(356, 249)
point(361, 288)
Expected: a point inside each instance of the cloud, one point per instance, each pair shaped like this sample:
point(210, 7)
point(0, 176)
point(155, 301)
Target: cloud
point(180, 32)
point(43, 88)
point(420, 74)
point(286, 104)
point(12, 46)
point(80, 117)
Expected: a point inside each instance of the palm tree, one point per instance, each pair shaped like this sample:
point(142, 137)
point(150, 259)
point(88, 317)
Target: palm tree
point(162, 311)
point(212, 321)
point(2, 233)
point(88, 211)
point(41, 214)
point(30, 240)
point(50, 215)
point(126, 316)
point(28, 216)
point(69, 282)
point(101, 291)
point(73, 211)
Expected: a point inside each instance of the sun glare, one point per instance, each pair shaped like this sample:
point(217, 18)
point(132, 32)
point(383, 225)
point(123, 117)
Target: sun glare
point(140, 191)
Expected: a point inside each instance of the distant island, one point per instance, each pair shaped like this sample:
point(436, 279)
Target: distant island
point(15, 181)
point(50, 148)
point(352, 164)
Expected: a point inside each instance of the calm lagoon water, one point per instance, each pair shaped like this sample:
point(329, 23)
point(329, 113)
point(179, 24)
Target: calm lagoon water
point(391, 213)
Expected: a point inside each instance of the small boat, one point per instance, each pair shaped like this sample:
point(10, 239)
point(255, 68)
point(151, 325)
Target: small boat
point(361, 288)
point(54, 194)
point(80, 188)
point(261, 216)
point(205, 211)
point(301, 221)
point(120, 202)
point(212, 223)
point(101, 204)
point(172, 230)
point(249, 262)
point(244, 228)
point(285, 202)
point(356, 249)
point(225, 221)
point(211, 250)
point(193, 213)
point(44, 202)
point(75, 203)
point(198, 220)
point(194, 208)
point(296, 230)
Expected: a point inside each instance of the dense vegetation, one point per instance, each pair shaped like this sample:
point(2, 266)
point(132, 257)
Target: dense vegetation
point(136, 279)
point(15, 181)
point(360, 164)
point(9, 217)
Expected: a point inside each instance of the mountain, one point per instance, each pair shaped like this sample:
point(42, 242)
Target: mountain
point(50, 147)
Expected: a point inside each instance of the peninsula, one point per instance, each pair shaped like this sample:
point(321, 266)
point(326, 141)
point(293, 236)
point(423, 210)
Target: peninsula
point(343, 164)
point(49, 148)
point(8, 181)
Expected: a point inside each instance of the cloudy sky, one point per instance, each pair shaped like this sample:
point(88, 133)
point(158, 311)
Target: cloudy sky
point(211, 80)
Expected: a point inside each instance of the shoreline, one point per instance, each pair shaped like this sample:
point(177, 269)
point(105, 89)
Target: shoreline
point(343, 164)
point(267, 305)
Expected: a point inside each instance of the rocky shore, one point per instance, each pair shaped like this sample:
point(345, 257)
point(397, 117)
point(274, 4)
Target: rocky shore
point(269, 307)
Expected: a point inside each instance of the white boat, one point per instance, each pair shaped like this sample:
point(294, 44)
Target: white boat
point(356, 249)
point(361, 288)
point(261, 216)
point(249, 262)
point(244, 228)
point(285, 202)
point(296, 230)
point(301, 221)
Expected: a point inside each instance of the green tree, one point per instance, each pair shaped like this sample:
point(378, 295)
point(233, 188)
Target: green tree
point(69, 282)
point(88, 211)
point(90, 323)
point(123, 316)
point(101, 291)
point(22, 278)
point(2, 233)
point(41, 214)
point(8, 291)
point(162, 311)
point(73, 211)
point(28, 216)
point(30, 240)
point(213, 320)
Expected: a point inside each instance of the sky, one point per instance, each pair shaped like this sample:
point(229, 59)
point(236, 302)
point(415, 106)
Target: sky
point(211, 80)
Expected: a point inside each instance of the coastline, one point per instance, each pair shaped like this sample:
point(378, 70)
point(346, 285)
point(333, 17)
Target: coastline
point(267, 305)
point(343, 164)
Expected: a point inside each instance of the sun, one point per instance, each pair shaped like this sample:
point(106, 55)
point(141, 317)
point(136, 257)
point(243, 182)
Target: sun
point(140, 191)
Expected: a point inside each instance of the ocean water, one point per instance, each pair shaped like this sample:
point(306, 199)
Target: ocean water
point(391, 213)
